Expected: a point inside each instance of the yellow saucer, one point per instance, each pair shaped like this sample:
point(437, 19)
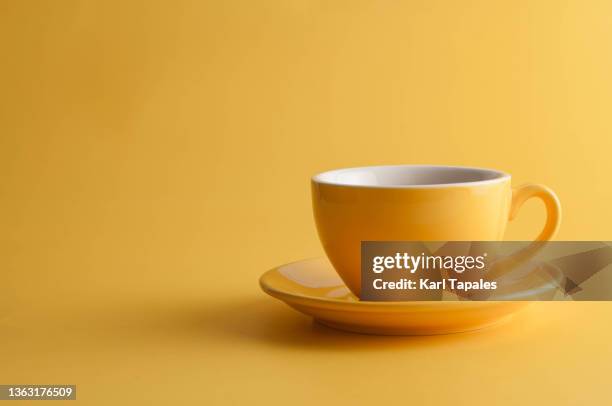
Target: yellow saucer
point(313, 288)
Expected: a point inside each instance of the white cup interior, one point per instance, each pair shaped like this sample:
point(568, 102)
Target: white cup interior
point(406, 176)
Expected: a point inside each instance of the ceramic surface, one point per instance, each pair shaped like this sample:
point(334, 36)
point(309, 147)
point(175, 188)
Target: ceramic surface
point(417, 203)
point(314, 288)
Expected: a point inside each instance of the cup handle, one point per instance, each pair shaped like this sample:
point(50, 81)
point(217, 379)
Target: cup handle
point(553, 218)
point(553, 208)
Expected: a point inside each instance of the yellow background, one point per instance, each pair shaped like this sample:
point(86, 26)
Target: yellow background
point(155, 159)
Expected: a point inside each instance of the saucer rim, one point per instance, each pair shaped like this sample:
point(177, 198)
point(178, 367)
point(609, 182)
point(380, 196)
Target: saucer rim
point(358, 305)
point(377, 307)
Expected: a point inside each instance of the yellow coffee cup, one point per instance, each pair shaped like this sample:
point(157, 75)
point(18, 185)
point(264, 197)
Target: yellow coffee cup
point(416, 203)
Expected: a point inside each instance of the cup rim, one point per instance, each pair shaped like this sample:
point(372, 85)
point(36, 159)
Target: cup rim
point(498, 177)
